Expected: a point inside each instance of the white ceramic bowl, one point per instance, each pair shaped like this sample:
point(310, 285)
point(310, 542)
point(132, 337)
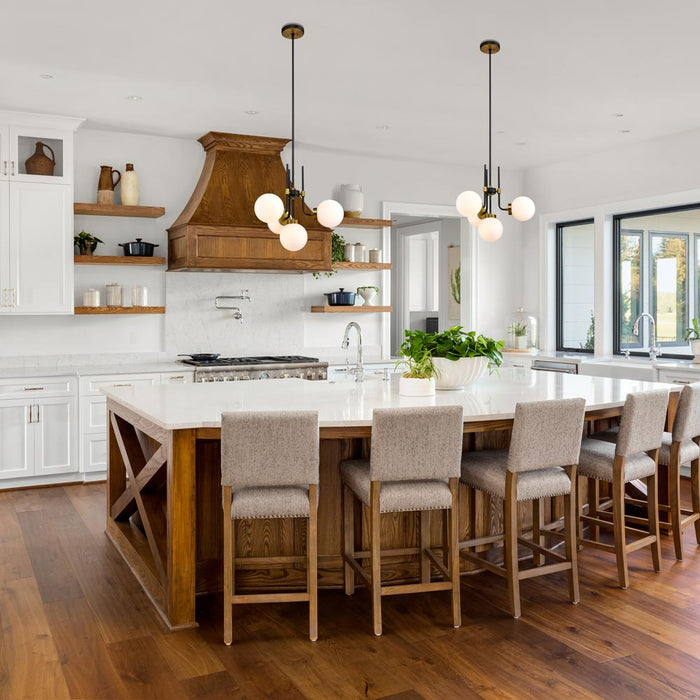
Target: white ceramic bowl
point(455, 374)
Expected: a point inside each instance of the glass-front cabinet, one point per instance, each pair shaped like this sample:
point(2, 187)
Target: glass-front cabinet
point(36, 154)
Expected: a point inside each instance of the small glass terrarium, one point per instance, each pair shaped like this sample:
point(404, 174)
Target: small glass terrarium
point(522, 331)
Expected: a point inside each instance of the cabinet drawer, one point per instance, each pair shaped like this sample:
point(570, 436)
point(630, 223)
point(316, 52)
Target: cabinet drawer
point(34, 388)
point(94, 385)
point(672, 377)
point(94, 453)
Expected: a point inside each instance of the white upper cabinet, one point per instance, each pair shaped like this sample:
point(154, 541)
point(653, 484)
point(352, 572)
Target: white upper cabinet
point(36, 213)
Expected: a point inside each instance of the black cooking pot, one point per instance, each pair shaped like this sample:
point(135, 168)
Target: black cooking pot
point(139, 247)
point(201, 357)
point(341, 298)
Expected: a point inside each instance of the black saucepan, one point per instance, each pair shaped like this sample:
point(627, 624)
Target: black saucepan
point(341, 298)
point(201, 356)
point(139, 247)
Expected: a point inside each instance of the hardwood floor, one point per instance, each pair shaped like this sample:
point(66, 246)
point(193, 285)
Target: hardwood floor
point(75, 624)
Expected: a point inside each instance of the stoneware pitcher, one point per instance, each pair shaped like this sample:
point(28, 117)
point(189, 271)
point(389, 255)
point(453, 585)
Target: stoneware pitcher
point(39, 163)
point(106, 184)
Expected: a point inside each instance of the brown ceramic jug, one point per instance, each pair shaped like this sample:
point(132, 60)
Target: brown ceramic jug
point(106, 184)
point(40, 163)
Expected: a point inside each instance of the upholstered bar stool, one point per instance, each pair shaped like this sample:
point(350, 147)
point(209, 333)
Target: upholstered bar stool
point(540, 463)
point(633, 456)
point(678, 447)
point(269, 469)
point(413, 466)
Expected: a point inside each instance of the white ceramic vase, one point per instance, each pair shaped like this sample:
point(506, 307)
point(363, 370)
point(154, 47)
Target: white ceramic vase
point(521, 342)
point(352, 199)
point(130, 186)
point(695, 348)
point(456, 374)
point(368, 295)
point(411, 386)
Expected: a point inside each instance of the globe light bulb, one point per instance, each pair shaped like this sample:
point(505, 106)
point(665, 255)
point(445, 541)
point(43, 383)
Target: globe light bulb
point(276, 226)
point(522, 208)
point(268, 207)
point(329, 213)
point(293, 237)
point(491, 229)
point(468, 203)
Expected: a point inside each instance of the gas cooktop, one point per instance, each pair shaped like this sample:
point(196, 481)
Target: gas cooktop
point(261, 360)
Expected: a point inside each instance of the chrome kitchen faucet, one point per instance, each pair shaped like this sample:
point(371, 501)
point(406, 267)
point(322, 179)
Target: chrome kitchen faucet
point(357, 371)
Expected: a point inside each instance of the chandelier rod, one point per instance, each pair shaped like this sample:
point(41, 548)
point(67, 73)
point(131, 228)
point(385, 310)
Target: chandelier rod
point(490, 169)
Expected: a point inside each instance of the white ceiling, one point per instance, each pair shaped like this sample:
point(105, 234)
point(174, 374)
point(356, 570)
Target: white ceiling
point(565, 70)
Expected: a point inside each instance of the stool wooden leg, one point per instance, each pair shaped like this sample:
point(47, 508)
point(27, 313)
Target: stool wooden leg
point(537, 523)
point(446, 539)
point(229, 566)
point(511, 543)
point(454, 554)
point(674, 479)
point(424, 543)
point(374, 557)
point(653, 507)
point(348, 538)
point(619, 521)
point(579, 504)
point(312, 562)
point(593, 500)
point(570, 527)
point(695, 493)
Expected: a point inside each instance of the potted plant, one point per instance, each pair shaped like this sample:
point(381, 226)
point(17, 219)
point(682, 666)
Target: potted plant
point(519, 331)
point(368, 293)
point(86, 243)
point(693, 335)
point(418, 378)
point(337, 254)
point(460, 357)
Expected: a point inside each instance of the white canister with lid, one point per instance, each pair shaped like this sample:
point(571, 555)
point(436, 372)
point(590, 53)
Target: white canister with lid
point(375, 255)
point(360, 252)
point(349, 253)
point(139, 296)
point(352, 199)
point(114, 294)
point(91, 297)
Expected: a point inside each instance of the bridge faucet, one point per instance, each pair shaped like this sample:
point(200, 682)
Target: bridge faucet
point(358, 370)
point(654, 350)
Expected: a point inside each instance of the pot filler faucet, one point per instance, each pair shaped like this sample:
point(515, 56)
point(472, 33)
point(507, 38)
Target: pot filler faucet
point(654, 350)
point(357, 371)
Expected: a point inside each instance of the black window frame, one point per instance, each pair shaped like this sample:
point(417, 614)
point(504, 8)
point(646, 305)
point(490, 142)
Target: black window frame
point(559, 282)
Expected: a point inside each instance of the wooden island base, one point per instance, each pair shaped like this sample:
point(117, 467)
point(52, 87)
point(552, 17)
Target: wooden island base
point(164, 512)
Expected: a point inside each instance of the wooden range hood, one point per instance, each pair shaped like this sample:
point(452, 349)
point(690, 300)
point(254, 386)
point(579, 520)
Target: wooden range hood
point(218, 229)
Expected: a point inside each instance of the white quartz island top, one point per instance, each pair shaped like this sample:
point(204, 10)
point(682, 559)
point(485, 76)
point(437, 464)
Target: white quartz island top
point(346, 404)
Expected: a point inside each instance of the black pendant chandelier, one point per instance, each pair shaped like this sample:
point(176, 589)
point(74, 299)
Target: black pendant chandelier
point(479, 208)
point(280, 216)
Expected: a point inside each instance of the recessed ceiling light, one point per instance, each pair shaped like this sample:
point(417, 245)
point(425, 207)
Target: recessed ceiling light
point(521, 143)
point(625, 131)
point(618, 114)
point(46, 76)
point(133, 98)
point(501, 132)
point(383, 127)
point(251, 111)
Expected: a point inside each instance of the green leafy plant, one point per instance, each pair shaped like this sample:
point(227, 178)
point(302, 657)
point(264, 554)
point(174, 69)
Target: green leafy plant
point(456, 285)
point(453, 344)
point(590, 336)
point(418, 367)
point(337, 254)
point(693, 333)
point(368, 286)
point(519, 329)
point(86, 242)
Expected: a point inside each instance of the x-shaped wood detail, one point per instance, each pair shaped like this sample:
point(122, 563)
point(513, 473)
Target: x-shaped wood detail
point(140, 473)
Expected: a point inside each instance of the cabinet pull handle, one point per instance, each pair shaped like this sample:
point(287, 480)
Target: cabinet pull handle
point(34, 388)
point(31, 406)
point(122, 385)
point(4, 168)
point(12, 167)
point(180, 376)
point(681, 381)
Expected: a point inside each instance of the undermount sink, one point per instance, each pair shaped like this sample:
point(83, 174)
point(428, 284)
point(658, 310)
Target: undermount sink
point(620, 368)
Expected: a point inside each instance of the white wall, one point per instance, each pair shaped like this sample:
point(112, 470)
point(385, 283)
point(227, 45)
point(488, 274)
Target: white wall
point(277, 320)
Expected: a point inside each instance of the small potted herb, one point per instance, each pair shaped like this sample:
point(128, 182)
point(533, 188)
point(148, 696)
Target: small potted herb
point(86, 243)
point(368, 293)
point(418, 378)
point(519, 331)
point(693, 335)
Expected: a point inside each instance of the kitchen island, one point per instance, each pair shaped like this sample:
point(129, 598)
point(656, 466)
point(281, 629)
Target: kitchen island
point(164, 510)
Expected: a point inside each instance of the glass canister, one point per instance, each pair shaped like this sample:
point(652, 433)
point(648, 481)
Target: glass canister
point(375, 255)
point(91, 297)
point(114, 294)
point(360, 252)
point(139, 296)
point(522, 330)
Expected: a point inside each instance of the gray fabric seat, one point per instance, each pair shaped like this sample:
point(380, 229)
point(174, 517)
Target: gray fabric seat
point(270, 502)
point(689, 450)
point(397, 496)
point(486, 471)
point(596, 462)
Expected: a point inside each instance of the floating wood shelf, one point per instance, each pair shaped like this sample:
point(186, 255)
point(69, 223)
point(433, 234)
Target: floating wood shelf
point(90, 209)
point(350, 222)
point(348, 309)
point(84, 310)
point(345, 265)
point(117, 260)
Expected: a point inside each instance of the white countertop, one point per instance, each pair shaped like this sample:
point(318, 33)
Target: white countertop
point(342, 404)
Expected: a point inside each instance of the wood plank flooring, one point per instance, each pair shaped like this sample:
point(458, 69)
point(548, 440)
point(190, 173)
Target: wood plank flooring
point(75, 624)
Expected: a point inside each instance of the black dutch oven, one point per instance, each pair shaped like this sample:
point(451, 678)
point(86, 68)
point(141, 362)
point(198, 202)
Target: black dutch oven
point(341, 298)
point(201, 356)
point(139, 247)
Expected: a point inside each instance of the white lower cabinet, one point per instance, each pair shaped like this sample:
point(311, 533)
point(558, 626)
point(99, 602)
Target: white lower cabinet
point(678, 376)
point(38, 431)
